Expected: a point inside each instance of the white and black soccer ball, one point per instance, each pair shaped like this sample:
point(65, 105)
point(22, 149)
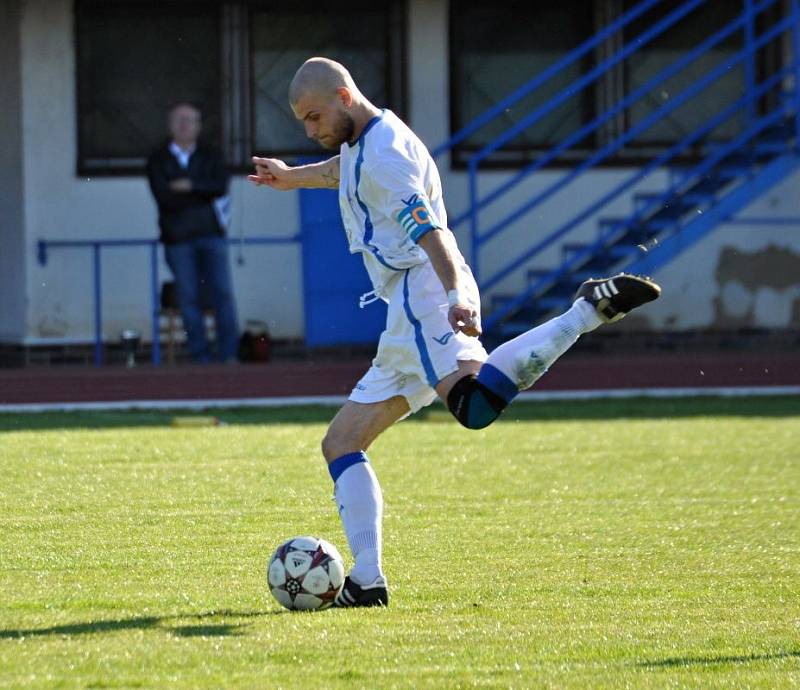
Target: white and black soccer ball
point(306, 573)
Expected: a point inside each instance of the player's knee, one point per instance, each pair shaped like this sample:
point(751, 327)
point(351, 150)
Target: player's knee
point(329, 445)
point(473, 404)
point(335, 444)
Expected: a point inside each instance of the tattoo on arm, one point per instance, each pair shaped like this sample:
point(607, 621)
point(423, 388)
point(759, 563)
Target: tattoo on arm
point(330, 177)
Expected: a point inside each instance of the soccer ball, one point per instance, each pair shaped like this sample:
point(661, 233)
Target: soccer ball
point(306, 573)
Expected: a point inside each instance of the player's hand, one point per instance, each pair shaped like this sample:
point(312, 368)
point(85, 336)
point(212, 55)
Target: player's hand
point(465, 319)
point(271, 172)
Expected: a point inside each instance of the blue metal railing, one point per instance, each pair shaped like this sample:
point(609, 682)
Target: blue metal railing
point(794, 6)
point(673, 104)
point(748, 105)
point(557, 67)
point(475, 203)
point(96, 245)
point(595, 124)
point(577, 257)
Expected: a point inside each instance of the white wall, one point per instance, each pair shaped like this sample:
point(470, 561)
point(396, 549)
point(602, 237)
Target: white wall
point(428, 70)
point(55, 301)
point(12, 219)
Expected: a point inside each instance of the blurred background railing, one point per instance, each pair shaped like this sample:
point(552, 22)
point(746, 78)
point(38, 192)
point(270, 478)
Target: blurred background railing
point(96, 246)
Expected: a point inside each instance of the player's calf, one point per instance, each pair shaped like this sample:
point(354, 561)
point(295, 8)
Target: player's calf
point(476, 401)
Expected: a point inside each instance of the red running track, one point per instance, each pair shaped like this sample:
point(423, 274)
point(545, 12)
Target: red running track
point(306, 378)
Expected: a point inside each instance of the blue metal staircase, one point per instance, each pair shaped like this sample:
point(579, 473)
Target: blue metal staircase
point(668, 212)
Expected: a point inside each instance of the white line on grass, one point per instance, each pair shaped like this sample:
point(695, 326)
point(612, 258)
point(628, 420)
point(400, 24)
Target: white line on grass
point(336, 400)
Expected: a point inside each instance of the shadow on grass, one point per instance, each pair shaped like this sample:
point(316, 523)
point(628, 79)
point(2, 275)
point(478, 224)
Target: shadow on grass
point(223, 630)
point(676, 662)
point(628, 408)
point(147, 623)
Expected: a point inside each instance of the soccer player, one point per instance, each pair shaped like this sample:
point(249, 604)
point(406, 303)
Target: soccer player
point(390, 197)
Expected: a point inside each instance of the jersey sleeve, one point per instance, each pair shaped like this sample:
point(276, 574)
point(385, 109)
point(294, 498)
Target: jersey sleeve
point(398, 185)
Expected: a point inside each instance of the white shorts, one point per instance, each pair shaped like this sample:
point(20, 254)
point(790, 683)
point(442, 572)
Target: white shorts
point(418, 348)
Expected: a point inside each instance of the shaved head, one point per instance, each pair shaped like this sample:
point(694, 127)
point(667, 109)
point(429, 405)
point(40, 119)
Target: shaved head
point(320, 77)
point(324, 97)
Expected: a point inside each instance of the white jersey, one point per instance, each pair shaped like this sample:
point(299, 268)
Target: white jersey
point(390, 195)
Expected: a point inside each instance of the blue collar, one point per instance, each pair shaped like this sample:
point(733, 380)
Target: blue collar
point(368, 127)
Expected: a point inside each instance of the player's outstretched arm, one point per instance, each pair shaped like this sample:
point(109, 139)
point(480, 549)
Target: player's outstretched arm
point(462, 316)
point(274, 173)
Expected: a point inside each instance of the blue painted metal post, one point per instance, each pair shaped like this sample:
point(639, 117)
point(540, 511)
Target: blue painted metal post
point(98, 312)
point(473, 212)
point(750, 63)
point(41, 252)
point(156, 305)
point(796, 57)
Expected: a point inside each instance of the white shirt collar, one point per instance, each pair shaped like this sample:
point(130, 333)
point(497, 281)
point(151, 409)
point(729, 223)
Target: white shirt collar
point(183, 155)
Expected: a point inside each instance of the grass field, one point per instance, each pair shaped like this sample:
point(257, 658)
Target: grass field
point(610, 544)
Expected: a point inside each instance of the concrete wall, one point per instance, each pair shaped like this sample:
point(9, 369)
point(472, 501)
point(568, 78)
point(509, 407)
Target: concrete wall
point(55, 302)
point(741, 275)
point(12, 218)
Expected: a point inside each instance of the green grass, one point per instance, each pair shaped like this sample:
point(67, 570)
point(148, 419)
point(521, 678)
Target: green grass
point(623, 544)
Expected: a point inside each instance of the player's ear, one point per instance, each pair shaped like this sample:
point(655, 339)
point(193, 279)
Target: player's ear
point(345, 96)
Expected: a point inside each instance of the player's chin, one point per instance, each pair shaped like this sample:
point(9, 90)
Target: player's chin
point(329, 143)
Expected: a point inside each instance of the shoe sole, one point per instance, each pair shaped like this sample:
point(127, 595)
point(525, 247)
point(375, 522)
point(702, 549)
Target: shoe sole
point(364, 603)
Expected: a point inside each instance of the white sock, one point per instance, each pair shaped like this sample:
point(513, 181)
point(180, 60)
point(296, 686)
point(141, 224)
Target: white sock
point(360, 502)
point(525, 358)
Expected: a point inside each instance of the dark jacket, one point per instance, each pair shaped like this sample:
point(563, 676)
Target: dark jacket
point(184, 216)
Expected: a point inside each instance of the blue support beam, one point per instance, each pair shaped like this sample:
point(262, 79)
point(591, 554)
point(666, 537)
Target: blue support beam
point(155, 305)
point(691, 233)
point(98, 303)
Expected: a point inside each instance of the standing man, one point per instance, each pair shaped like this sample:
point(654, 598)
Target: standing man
point(190, 183)
point(390, 197)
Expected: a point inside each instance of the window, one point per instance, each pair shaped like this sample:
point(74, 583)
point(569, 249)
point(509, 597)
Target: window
point(500, 46)
point(673, 44)
point(670, 46)
point(497, 47)
point(234, 60)
point(126, 87)
point(371, 50)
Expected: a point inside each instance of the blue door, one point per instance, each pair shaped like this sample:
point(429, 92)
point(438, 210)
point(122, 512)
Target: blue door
point(333, 279)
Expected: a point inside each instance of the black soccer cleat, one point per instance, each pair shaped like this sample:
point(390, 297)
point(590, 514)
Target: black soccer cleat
point(614, 297)
point(353, 594)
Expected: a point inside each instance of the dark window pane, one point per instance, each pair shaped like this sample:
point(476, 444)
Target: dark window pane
point(499, 46)
point(672, 45)
point(135, 59)
point(362, 36)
